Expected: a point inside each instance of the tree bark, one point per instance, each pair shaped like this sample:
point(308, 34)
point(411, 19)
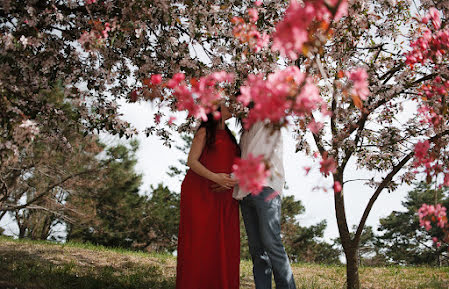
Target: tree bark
point(350, 247)
point(352, 268)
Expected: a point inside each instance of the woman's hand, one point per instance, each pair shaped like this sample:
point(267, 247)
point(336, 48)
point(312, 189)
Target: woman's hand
point(224, 180)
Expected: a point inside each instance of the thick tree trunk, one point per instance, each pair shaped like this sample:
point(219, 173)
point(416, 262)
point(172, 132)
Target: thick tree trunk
point(352, 268)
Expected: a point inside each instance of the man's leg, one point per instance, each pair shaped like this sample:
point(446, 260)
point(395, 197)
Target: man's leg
point(269, 217)
point(261, 262)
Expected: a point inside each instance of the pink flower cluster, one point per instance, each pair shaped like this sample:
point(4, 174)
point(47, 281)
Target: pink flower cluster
point(434, 16)
point(359, 79)
point(107, 28)
point(248, 32)
point(95, 38)
point(429, 115)
point(200, 96)
point(337, 187)
point(433, 166)
point(429, 214)
point(251, 173)
point(421, 152)
point(431, 45)
point(293, 31)
point(156, 79)
point(275, 95)
point(435, 89)
point(328, 166)
point(424, 159)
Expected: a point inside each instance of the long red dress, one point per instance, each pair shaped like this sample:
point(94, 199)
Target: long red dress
point(209, 233)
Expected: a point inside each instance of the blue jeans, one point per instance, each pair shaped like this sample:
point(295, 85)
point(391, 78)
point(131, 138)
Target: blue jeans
point(262, 220)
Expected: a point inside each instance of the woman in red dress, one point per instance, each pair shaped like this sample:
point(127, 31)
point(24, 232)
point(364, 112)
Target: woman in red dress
point(209, 234)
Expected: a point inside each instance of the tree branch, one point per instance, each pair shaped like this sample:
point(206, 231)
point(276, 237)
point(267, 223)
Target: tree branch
point(40, 196)
point(385, 182)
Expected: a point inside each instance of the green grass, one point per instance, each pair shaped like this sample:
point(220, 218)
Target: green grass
point(40, 264)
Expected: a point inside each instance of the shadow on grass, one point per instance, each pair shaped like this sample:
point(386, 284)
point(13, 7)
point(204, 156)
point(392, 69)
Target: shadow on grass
point(20, 269)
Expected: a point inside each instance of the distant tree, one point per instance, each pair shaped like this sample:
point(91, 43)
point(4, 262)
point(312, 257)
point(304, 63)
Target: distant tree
point(404, 241)
point(181, 170)
point(160, 222)
point(33, 189)
point(118, 215)
point(304, 244)
point(114, 211)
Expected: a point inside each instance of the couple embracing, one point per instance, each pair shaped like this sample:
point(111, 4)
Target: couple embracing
point(209, 234)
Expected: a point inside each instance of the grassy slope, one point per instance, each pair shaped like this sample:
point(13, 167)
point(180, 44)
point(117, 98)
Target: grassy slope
point(30, 264)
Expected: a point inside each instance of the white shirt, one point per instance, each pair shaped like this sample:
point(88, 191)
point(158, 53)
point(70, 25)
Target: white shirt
point(261, 140)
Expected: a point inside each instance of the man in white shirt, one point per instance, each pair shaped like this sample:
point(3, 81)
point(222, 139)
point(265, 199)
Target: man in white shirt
point(262, 213)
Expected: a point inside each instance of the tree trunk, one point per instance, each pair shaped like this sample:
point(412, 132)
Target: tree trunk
point(352, 268)
point(350, 246)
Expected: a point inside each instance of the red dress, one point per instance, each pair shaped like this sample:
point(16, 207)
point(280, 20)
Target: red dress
point(209, 232)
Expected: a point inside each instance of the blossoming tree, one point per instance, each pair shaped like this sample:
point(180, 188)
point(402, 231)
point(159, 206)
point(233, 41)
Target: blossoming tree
point(370, 90)
point(364, 83)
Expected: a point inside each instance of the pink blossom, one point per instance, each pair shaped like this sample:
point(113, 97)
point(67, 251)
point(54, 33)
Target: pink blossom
point(157, 118)
point(275, 95)
point(293, 31)
point(429, 213)
point(201, 96)
point(171, 119)
point(430, 45)
point(359, 78)
point(176, 80)
point(107, 28)
point(435, 239)
point(337, 187)
point(253, 14)
point(434, 15)
point(88, 2)
point(446, 180)
point(258, 3)
point(315, 127)
point(328, 165)
point(307, 169)
point(257, 40)
point(421, 149)
point(251, 173)
point(308, 100)
point(217, 115)
point(156, 79)
point(342, 8)
point(248, 32)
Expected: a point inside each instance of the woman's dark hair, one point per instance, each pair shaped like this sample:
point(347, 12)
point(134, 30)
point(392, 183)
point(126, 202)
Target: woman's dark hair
point(211, 130)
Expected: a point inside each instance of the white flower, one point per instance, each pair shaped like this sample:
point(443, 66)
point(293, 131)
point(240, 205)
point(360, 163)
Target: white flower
point(24, 40)
point(138, 32)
